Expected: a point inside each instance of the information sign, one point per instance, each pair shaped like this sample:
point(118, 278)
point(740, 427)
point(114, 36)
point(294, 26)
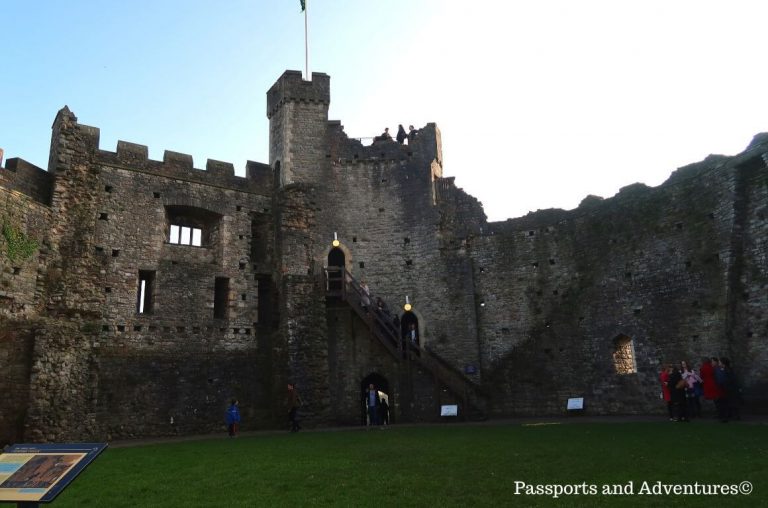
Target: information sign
point(37, 473)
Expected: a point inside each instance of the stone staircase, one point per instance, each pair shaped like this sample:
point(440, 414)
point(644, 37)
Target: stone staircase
point(340, 284)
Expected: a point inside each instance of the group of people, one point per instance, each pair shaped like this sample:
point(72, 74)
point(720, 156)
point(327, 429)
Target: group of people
point(377, 409)
point(401, 135)
point(682, 388)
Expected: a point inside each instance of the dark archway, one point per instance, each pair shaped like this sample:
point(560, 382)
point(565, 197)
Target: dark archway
point(336, 257)
point(382, 385)
point(336, 264)
point(408, 319)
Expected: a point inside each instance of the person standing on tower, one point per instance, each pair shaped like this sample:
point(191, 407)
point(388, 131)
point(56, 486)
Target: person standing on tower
point(401, 135)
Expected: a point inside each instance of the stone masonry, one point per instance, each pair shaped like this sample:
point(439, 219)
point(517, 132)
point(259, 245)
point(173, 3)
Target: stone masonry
point(138, 296)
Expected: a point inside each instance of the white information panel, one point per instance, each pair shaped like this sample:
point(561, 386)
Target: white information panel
point(576, 403)
point(449, 410)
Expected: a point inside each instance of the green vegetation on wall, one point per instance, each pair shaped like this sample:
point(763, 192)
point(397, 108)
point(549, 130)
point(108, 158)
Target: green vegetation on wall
point(18, 246)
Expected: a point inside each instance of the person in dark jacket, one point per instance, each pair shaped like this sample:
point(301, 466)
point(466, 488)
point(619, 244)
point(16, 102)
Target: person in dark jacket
point(731, 390)
point(676, 386)
point(401, 135)
point(411, 134)
point(233, 417)
point(373, 403)
point(293, 403)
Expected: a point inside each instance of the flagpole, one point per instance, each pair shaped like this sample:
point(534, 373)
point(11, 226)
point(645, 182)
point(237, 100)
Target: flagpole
point(306, 45)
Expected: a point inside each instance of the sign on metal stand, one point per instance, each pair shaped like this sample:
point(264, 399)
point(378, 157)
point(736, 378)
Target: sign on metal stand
point(36, 473)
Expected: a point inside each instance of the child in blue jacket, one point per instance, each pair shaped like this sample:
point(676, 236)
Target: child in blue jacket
point(233, 418)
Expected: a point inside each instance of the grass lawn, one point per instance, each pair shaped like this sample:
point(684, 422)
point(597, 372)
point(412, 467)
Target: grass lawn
point(433, 466)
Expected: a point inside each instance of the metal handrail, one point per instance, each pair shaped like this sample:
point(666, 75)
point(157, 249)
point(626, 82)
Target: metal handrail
point(383, 329)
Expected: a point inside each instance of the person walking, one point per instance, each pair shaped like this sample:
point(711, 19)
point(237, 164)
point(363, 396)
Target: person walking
point(374, 404)
point(233, 417)
point(293, 403)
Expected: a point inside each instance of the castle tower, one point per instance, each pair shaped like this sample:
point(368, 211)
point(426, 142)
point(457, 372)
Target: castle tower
point(298, 122)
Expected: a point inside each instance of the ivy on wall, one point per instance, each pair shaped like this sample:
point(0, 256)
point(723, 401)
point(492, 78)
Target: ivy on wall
point(18, 246)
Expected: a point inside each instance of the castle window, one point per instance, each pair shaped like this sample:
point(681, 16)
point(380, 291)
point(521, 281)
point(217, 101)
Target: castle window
point(184, 235)
point(220, 298)
point(192, 226)
point(624, 355)
point(145, 297)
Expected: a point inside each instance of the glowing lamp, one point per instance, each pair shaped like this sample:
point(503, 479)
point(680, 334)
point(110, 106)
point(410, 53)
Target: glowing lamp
point(407, 307)
point(335, 241)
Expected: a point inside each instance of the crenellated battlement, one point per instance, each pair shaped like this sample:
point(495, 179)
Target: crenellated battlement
point(425, 147)
point(24, 177)
point(156, 271)
point(135, 157)
point(291, 87)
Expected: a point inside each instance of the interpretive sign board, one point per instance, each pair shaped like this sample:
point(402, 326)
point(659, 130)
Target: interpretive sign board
point(576, 403)
point(37, 473)
point(449, 410)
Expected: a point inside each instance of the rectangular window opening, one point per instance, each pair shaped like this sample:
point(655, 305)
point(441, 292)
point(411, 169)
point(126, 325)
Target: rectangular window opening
point(174, 234)
point(220, 298)
point(146, 297)
point(185, 235)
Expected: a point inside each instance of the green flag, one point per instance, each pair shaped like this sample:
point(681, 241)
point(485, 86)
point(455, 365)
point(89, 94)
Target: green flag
point(303, 5)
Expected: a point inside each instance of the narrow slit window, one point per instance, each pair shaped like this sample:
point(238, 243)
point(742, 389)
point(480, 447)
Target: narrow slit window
point(145, 297)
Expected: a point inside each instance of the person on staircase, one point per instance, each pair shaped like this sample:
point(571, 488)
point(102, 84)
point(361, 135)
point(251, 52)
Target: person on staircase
point(413, 336)
point(365, 295)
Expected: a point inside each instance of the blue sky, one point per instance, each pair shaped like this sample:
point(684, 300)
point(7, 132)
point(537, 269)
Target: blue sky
point(539, 103)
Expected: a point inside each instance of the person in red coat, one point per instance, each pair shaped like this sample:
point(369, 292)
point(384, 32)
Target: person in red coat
point(707, 374)
point(664, 378)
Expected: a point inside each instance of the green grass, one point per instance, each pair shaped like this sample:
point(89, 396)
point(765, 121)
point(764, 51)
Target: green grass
point(433, 466)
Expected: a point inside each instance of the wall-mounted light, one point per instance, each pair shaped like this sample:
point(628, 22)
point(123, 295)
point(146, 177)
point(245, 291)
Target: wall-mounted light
point(335, 241)
point(407, 307)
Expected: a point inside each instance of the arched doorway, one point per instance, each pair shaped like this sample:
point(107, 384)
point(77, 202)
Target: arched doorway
point(407, 322)
point(381, 384)
point(336, 264)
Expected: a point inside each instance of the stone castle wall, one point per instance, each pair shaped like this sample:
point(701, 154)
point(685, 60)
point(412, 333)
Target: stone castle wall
point(528, 309)
point(25, 217)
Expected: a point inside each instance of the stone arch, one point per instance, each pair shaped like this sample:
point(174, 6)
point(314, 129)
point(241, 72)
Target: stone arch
point(345, 251)
point(336, 262)
point(406, 319)
point(624, 360)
